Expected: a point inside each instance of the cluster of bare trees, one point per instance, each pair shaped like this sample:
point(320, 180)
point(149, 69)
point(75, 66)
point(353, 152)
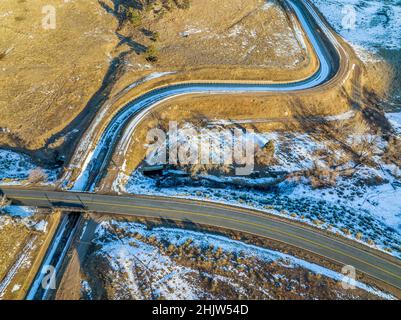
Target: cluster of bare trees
point(392, 153)
point(265, 155)
point(37, 175)
point(4, 202)
point(349, 145)
point(167, 4)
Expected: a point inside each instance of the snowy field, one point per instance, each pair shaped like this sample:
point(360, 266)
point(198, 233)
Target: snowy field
point(369, 25)
point(23, 215)
point(361, 201)
point(128, 245)
point(21, 229)
point(17, 169)
point(395, 119)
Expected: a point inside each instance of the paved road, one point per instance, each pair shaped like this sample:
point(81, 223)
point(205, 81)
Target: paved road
point(333, 65)
point(94, 160)
point(379, 266)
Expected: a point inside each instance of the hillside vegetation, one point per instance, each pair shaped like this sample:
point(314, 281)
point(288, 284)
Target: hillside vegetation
point(54, 80)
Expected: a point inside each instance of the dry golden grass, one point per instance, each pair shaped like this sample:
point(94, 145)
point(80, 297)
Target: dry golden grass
point(11, 245)
point(280, 113)
point(49, 76)
point(361, 90)
point(208, 264)
point(235, 33)
point(14, 237)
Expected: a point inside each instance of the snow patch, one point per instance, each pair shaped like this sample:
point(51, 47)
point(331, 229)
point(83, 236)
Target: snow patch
point(15, 169)
point(395, 119)
point(123, 252)
point(363, 207)
point(21, 212)
point(16, 288)
point(377, 23)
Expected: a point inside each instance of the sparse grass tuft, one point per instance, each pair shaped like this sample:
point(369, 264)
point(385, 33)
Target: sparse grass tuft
point(19, 18)
point(152, 54)
point(134, 17)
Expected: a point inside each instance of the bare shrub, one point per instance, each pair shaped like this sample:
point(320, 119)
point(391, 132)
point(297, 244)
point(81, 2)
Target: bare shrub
point(353, 138)
point(152, 53)
point(4, 202)
point(198, 169)
point(37, 175)
point(322, 177)
point(265, 155)
point(134, 16)
point(392, 153)
point(364, 147)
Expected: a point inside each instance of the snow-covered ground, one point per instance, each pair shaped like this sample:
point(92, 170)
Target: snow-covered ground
point(369, 25)
point(89, 147)
point(14, 165)
point(16, 168)
point(171, 280)
point(253, 44)
point(23, 215)
point(364, 206)
point(20, 212)
point(22, 260)
point(20, 232)
point(395, 119)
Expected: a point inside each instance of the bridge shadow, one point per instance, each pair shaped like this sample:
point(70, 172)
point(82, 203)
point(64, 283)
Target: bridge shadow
point(187, 224)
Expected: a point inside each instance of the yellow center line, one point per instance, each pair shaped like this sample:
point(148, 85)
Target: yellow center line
point(259, 226)
point(237, 221)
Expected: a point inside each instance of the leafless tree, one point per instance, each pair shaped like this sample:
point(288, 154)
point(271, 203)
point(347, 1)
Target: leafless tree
point(4, 202)
point(37, 175)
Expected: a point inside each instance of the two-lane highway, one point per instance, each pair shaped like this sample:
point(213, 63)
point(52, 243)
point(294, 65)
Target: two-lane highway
point(93, 160)
point(370, 262)
point(333, 64)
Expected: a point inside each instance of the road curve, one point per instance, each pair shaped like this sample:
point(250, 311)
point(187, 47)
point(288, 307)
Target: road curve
point(333, 62)
point(370, 262)
point(330, 54)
